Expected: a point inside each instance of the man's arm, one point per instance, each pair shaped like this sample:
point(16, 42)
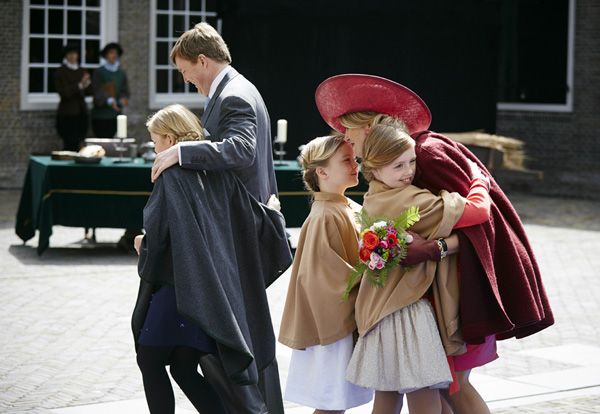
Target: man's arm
point(235, 149)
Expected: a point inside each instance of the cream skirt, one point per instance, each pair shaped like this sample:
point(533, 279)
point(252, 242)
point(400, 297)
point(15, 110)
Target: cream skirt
point(401, 353)
point(316, 378)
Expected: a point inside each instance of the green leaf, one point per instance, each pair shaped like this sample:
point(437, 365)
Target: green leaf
point(409, 217)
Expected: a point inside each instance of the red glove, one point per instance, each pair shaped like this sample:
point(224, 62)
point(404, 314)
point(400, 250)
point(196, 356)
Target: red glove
point(421, 250)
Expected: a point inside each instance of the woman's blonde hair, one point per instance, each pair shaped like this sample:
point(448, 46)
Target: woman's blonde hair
point(369, 118)
point(202, 39)
point(383, 144)
point(177, 122)
point(317, 153)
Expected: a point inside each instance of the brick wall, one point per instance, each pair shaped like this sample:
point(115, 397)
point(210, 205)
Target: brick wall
point(134, 35)
point(22, 132)
point(27, 132)
point(566, 146)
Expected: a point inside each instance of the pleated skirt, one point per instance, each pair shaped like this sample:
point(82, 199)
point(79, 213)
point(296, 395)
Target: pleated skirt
point(401, 353)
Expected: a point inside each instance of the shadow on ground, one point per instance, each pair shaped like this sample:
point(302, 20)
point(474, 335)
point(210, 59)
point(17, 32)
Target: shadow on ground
point(72, 255)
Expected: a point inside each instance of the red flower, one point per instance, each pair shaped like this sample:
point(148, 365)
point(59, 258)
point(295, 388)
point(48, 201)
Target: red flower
point(364, 254)
point(370, 240)
point(392, 239)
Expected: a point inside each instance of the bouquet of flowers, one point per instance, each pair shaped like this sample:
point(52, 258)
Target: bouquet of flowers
point(382, 245)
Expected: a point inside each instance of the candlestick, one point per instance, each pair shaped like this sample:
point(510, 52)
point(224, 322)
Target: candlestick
point(282, 130)
point(121, 126)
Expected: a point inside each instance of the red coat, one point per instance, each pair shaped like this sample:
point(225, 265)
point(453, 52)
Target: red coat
point(501, 287)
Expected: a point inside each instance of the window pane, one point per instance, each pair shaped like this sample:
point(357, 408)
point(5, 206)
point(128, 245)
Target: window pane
point(213, 22)
point(534, 36)
point(178, 83)
point(36, 21)
point(192, 88)
point(92, 52)
point(36, 50)
point(195, 5)
point(195, 19)
point(37, 2)
point(162, 25)
point(55, 21)
point(74, 22)
point(75, 2)
point(211, 5)
point(178, 25)
point(92, 22)
point(55, 48)
point(162, 4)
point(162, 81)
point(93, 3)
point(178, 4)
point(51, 84)
point(36, 80)
point(56, 2)
point(162, 53)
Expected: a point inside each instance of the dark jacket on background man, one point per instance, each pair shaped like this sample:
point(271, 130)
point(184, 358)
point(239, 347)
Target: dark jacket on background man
point(72, 99)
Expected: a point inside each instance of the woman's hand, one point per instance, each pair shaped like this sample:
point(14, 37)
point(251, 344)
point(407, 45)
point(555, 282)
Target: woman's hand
point(477, 173)
point(137, 243)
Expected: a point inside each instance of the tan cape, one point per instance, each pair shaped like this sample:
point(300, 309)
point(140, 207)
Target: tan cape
point(314, 313)
point(406, 285)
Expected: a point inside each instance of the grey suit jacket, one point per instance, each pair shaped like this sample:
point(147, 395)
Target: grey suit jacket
point(240, 137)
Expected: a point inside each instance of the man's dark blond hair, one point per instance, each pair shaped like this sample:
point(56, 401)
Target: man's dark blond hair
point(202, 39)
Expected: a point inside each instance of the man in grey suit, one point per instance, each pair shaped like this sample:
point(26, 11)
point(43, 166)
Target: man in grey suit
point(238, 132)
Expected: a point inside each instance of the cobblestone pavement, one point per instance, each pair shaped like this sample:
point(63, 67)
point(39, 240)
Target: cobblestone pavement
point(65, 339)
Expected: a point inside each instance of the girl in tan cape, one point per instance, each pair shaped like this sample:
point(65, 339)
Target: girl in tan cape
point(400, 349)
point(316, 323)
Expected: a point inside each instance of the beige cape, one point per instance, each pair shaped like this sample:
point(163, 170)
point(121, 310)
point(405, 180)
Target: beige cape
point(314, 313)
point(406, 285)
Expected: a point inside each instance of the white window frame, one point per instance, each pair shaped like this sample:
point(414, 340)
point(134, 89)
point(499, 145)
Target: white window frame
point(568, 106)
point(109, 29)
point(159, 100)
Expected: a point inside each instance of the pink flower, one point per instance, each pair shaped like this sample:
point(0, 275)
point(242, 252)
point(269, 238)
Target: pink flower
point(383, 244)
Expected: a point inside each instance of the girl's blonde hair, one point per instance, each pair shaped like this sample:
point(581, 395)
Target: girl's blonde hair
point(369, 118)
point(177, 122)
point(317, 153)
point(383, 144)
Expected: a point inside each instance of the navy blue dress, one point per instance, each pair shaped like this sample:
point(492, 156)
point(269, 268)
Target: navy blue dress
point(165, 327)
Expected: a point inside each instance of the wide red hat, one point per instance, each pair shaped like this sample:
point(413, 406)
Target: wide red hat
point(342, 94)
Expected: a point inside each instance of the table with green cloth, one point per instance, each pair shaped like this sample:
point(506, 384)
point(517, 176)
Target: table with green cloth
point(67, 193)
point(110, 194)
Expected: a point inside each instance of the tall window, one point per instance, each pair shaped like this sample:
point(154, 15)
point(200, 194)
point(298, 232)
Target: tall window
point(48, 25)
point(169, 19)
point(536, 62)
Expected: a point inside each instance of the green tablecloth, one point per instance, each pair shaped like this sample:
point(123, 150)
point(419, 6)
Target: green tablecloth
point(113, 195)
point(66, 193)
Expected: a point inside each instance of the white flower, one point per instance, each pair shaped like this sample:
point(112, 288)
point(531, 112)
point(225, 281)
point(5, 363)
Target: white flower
point(379, 224)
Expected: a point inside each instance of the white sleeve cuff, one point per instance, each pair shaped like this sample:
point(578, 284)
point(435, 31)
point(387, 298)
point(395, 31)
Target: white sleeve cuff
point(179, 153)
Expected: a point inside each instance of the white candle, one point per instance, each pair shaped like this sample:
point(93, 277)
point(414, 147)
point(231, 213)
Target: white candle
point(121, 126)
point(282, 130)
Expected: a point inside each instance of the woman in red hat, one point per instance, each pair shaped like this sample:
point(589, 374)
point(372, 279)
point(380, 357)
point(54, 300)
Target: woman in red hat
point(499, 298)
